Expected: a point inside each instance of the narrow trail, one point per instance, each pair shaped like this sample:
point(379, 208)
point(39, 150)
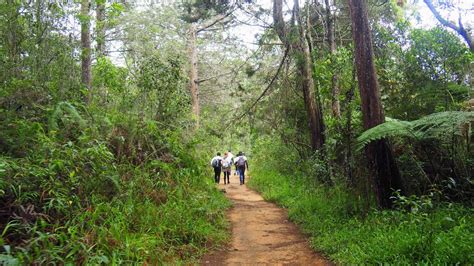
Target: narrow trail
point(261, 233)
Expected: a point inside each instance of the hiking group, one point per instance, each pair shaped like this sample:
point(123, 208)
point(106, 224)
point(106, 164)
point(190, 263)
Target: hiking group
point(224, 164)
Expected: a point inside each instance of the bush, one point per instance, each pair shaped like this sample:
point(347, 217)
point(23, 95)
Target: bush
point(127, 193)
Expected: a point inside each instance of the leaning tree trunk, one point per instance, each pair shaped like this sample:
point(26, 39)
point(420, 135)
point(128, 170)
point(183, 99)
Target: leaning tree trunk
point(86, 48)
point(300, 49)
point(335, 105)
point(379, 153)
point(193, 72)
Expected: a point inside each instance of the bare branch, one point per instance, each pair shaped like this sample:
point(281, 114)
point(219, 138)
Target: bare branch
point(269, 86)
point(215, 76)
point(219, 18)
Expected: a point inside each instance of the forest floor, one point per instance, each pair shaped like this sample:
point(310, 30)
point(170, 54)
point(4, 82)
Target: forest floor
point(261, 233)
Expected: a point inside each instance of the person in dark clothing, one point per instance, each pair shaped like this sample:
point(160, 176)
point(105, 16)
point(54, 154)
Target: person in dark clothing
point(241, 164)
point(216, 163)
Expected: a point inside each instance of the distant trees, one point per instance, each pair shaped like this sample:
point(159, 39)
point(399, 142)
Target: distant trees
point(200, 15)
point(331, 39)
point(294, 37)
point(193, 72)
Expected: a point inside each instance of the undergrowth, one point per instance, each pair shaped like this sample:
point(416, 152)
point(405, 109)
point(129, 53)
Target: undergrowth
point(420, 231)
point(113, 189)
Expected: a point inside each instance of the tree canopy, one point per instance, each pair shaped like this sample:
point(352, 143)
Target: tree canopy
point(357, 118)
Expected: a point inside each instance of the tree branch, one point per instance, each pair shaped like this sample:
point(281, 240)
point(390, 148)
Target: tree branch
point(264, 91)
point(459, 29)
point(215, 76)
point(213, 22)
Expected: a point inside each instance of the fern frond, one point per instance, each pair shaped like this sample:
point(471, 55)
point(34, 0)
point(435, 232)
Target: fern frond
point(439, 126)
point(391, 128)
point(443, 125)
point(65, 109)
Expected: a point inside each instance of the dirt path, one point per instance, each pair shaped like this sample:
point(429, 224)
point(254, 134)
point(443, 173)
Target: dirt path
point(261, 233)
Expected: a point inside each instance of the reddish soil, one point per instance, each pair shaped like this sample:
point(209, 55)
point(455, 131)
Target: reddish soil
point(261, 233)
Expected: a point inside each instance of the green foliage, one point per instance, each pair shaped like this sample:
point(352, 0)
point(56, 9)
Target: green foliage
point(421, 71)
point(420, 232)
point(198, 10)
point(68, 115)
point(116, 181)
point(161, 83)
point(75, 201)
point(108, 76)
point(441, 126)
point(339, 63)
point(425, 147)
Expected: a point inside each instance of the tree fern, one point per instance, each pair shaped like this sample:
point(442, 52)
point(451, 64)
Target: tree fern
point(444, 125)
point(441, 126)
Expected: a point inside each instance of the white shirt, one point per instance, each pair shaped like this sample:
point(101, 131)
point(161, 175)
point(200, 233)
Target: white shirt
point(216, 158)
point(238, 157)
point(229, 162)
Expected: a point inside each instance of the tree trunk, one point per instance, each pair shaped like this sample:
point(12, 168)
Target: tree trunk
point(379, 153)
point(86, 48)
point(335, 105)
point(13, 38)
point(193, 72)
point(100, 27)
point(304, 63)
point(305, 68)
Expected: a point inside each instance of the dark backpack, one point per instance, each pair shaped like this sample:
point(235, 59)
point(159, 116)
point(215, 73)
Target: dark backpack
point(216, 163)
point(240, 162)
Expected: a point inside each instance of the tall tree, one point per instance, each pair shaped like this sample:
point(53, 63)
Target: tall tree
point(100, 27)
point(379, 153)
point(86, 47)
point(12, 36)
point(201, 15)
point(300, 50)
point(330, 29)
point(193, 72)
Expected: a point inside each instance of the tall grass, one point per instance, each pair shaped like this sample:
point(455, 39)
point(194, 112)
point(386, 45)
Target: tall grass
point(421, 231)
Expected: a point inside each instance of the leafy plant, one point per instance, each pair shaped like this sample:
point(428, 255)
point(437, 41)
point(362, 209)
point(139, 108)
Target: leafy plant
point(68, 115)
point(441, 126)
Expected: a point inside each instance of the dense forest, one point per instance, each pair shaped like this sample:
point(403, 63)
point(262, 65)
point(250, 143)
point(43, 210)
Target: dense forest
point(356, 116)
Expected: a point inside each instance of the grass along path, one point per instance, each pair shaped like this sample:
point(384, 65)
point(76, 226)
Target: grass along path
point(261, 233)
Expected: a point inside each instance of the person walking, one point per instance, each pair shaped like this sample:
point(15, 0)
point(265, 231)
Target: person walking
point(241, 164)
point(216, 163)
point(231, 156)
point(226, 167)
point(232, 160)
